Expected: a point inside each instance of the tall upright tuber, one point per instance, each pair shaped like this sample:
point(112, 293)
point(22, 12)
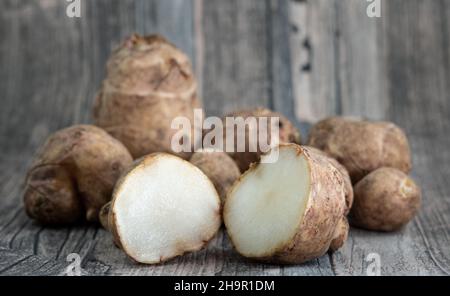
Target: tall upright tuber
point(149, 82)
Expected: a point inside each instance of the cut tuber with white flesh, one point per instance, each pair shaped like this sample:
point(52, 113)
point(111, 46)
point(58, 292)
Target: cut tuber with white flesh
point(163, 207)
point(289, 211)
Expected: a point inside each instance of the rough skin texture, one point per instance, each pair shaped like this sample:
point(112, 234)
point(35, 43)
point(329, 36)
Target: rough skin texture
point(362, 146)
point(345, 176)
point(385, 200)
point(325, 210)
point(288, 134)
point(219, 167)
point(73, 175)
point(107, 222)
point(104, 214)
point(340, 235)
point(149, 82)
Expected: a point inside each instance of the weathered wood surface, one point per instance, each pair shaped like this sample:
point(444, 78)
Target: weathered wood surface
point(307, 59)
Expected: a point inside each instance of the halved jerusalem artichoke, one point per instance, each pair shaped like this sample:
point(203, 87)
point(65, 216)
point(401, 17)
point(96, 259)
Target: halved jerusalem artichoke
point(103, 215)
point(163, 207)
point(289, 211)
point(345, 177)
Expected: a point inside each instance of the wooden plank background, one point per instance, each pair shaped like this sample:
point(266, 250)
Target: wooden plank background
point(308, 59)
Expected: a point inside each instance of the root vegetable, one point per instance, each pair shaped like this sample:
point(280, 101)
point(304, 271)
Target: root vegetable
point(103, 216)
point(345, 177)
point(362, 146)
point(289, 211)
point(163, 207)
point(149, 83)
point(219, 167)
point(73, 175)
point(340, 235)
point(385, 200)
point(288, 133)
point(107, 223)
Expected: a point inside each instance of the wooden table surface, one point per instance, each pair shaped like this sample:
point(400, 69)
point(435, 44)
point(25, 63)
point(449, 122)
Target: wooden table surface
point(307, 59)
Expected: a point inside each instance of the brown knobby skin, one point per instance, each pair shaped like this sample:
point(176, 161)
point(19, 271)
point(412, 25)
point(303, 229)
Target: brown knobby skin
point(340, 235)
point(345, 177)
point(362, 146)
point(385, 200)
point(288, 133)
point(290, 211)
point(107, 222)
point(220, 169)
point(103, 215)
point(162, 207)
point(73, 175)
point(149, 82)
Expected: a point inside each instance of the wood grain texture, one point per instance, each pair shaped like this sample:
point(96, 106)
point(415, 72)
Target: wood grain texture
point(360, 61)
point(328, 58)
point(18, 263)
point(418, 84)
point(313, 56)
point(280, 63)
point(336, 52)
point(383, 69)
point(236, 72)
